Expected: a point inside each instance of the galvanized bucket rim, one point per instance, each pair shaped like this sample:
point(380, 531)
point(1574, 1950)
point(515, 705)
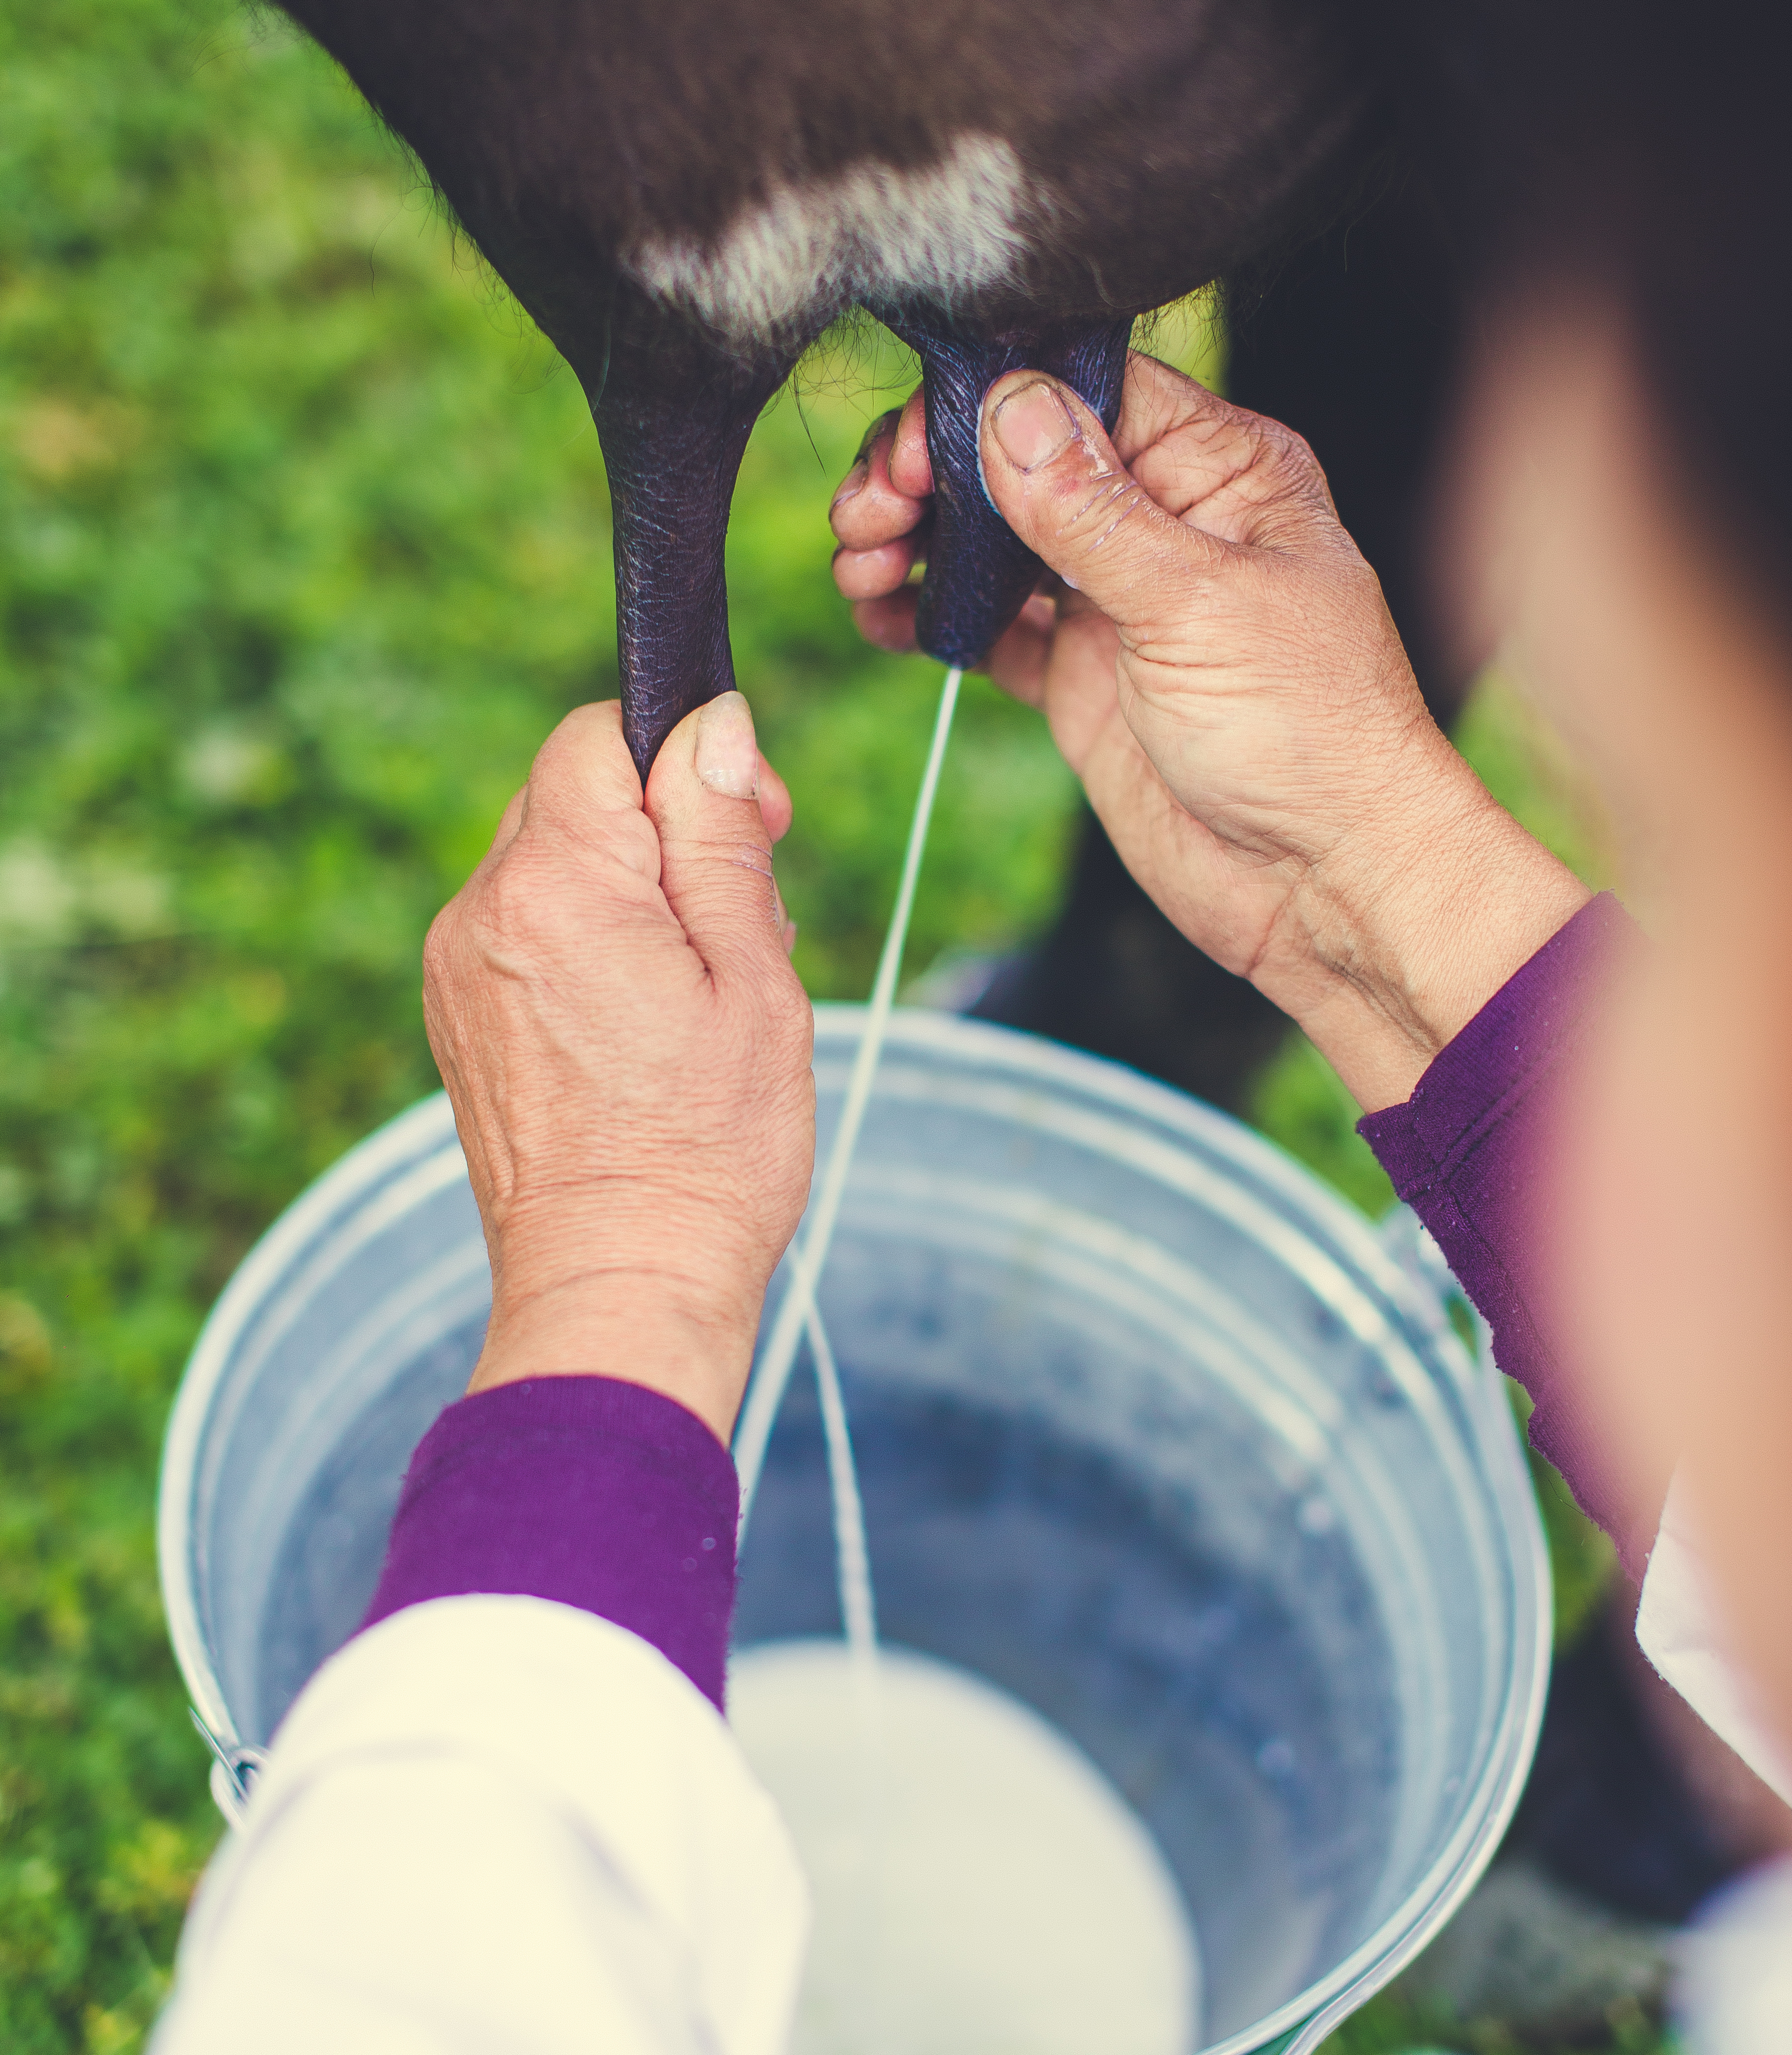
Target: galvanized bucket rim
point(1295, 2027)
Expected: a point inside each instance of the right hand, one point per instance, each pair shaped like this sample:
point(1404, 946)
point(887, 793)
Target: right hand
point(611, 1001)
point(1219, 667)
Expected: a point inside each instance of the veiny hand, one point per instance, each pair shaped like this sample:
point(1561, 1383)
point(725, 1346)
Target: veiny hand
point(1219, 667)
point(611, 1001)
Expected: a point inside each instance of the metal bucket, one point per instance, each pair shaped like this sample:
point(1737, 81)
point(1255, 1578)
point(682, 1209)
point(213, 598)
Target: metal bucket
point(1154, 1432)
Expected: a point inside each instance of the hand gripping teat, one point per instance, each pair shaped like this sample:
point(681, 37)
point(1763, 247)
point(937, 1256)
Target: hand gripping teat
point(979, 573)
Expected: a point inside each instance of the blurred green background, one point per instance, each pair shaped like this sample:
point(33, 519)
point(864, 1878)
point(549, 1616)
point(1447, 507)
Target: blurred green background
point(304, 547)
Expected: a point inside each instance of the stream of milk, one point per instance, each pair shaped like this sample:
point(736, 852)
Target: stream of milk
point(799, 1315)
point(980, 1888)
point(809, 1251)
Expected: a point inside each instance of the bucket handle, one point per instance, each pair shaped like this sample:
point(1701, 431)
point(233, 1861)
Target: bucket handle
point(234, 1767)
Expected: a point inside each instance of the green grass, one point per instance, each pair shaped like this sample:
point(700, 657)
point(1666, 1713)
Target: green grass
point(304, 546)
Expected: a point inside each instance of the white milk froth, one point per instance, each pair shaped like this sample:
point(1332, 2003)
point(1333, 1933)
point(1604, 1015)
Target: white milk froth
point(980, 1887)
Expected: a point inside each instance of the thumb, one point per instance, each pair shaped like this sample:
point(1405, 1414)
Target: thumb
point(703, 797)
point(1055, 478)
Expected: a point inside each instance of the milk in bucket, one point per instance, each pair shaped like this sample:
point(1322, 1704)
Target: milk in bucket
point(1158, 1443)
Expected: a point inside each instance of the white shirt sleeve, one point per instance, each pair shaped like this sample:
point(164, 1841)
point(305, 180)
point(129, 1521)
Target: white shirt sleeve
point(497, 1824)
point(1679, 1627)
point(1733, 1995)
point(1734, 1987)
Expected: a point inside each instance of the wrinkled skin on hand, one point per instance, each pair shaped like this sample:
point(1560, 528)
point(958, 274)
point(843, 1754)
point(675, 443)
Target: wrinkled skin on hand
point(1218, 665)
point(611, 1001)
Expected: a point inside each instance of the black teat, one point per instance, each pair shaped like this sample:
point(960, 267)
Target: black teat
point(979, 573)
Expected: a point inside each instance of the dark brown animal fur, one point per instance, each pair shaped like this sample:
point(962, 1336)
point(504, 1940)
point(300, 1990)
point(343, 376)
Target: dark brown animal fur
point(1161, 144)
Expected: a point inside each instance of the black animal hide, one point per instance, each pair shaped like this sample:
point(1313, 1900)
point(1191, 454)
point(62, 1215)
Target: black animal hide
point(684, 195)
point(978, 572)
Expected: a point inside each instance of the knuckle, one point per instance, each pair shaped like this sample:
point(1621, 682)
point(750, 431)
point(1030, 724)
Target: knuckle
point(775, 1020)
point(1089, 500)
point(512, 899)
point(441, 943)
point(885, 424)
point(626, 837)
point(1286, 462)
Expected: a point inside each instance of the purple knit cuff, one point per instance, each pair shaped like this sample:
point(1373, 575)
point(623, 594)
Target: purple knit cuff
point(1476, 1081)
point(1469, 1151)
point(587, 1490)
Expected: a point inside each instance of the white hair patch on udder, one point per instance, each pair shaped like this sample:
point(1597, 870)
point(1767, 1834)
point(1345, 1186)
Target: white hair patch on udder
point(874, 232)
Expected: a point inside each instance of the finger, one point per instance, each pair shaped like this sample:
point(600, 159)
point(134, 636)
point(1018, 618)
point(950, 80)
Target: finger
point(882, 430)
point(586, 759)
point(888, 623)
point(1056, 479)
point(870, 573)
point(702, 796)
point(775, 808)
point(1157, 401)
point(911, 468)
point(584, 784)
point(509, 822)
point(869, 509)
point(1238, 475)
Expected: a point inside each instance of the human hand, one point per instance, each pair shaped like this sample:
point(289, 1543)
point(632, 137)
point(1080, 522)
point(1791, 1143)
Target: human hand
point(611, 1002)
point(1219, 667)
